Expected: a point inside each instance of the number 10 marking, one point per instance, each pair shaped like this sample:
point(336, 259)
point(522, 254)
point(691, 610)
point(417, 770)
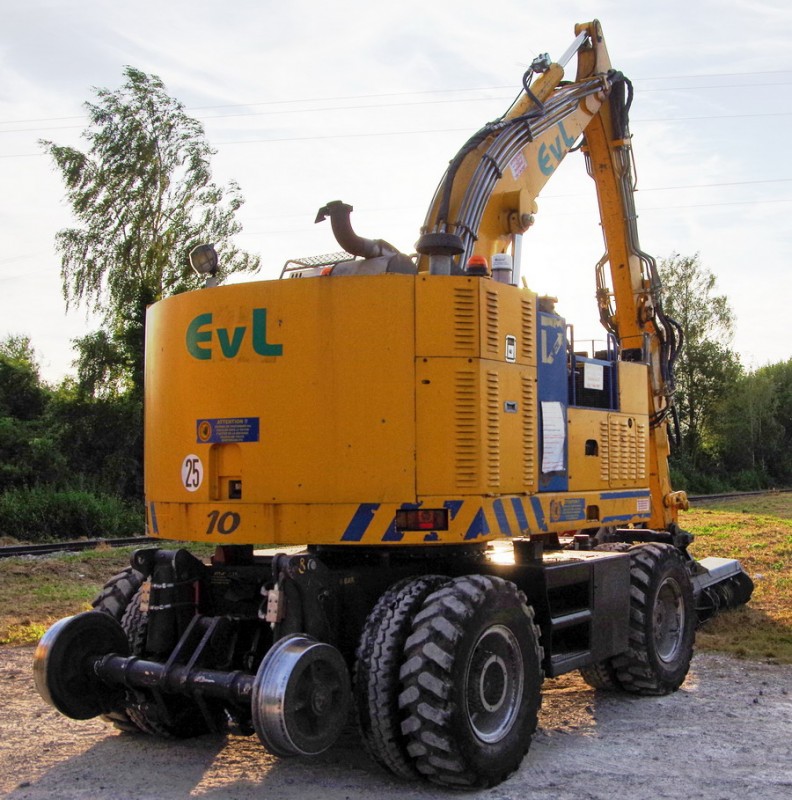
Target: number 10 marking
point(224, 523)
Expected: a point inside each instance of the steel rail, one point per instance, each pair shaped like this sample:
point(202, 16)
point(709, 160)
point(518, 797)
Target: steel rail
point(71, 547)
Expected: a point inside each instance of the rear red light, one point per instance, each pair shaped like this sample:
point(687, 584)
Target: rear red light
point(422, 519)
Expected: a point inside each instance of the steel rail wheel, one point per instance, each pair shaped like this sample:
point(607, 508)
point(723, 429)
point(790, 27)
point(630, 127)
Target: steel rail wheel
point(301, 696)
point(63, 664)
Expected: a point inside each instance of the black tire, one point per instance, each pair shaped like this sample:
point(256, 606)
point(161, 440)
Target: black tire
point(378, 660)
point(114, 599)
point(472, 682)
point(662, 622)
point(118, 592)
point(176, 717)
point(602, 676)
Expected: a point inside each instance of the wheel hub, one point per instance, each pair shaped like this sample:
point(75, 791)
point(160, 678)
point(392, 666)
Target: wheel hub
point(669, 620)
point(494, 684)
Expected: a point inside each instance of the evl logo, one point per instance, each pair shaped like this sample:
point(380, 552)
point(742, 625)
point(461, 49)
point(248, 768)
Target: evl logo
point(201, 336)
point(550, 155)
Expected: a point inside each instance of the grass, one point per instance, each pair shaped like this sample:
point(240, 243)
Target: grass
point(756, 530)
point(35, 592)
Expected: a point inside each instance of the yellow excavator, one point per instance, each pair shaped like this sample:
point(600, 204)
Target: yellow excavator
point(424, 497)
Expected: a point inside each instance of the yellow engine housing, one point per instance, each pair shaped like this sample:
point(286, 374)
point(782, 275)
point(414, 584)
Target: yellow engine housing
point(309, 411)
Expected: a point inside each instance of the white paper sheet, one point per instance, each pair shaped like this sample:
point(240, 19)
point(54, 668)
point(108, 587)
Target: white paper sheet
point(553, 436)
point(593, 376)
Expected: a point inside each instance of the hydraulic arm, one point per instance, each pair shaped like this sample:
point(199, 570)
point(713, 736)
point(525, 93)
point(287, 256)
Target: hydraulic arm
point(487, 201)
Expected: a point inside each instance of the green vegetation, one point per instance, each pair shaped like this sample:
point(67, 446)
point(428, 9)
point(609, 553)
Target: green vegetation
point(735, 426)
point(45, 514)
point(758, 532)
point(69, 463)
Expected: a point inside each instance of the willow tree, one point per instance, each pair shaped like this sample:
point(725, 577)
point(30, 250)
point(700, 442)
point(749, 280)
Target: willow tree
point(142, 196)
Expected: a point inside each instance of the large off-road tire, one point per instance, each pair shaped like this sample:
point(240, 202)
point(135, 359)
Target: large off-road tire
point(118, 592)
point(376, 676)
point(662, 622)
point(472, 680)
point(175, 717)
point(601, 675)
point(114, 599)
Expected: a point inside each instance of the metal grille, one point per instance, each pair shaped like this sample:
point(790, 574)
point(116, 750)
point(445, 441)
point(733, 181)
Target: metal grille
point(295, 265)
point(464, 321)
point(527, 343)
point(493, 429)
point(493, 327)
point(529, 431)
point(622, 450)
point(466, 446)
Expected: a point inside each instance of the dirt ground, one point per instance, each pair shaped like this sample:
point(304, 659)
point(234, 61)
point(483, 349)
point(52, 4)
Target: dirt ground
point(726, 735)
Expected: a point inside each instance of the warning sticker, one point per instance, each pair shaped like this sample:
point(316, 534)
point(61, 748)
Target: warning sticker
point(518, 165)
point(644, 505)
point(570, 510)
point(227, 430)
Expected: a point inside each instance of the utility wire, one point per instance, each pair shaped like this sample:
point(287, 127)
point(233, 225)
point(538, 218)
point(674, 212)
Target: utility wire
point(381, 95)
point(429, 131)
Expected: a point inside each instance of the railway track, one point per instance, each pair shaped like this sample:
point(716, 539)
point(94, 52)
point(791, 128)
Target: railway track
point(92, 544)
point(71, 547)
point(700, 498)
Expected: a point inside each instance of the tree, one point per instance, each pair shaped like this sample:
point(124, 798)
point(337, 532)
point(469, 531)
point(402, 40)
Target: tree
point(707, 369)
point(22, 394)
point(754, 425)
point(28, 453)
point(143, 197)
point(100, 439)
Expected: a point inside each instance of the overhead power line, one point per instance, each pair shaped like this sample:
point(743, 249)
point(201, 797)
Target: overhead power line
point(274, 140)
point(383, 95)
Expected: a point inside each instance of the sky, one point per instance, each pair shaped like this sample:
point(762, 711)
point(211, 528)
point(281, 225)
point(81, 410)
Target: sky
point(366, 102)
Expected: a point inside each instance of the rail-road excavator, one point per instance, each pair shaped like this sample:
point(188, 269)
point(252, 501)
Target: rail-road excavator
point(423, 497)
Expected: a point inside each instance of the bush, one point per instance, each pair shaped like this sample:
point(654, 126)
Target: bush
point(45, 515)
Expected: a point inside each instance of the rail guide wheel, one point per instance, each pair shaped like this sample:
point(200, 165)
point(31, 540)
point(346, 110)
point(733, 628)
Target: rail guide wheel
point(301, 696)
point(63, 665)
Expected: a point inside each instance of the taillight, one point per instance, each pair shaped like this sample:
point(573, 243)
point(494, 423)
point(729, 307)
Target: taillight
point(422, 519)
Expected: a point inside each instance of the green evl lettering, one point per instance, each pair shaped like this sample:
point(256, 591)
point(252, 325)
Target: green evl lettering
point(550, 155)
point(200, 337)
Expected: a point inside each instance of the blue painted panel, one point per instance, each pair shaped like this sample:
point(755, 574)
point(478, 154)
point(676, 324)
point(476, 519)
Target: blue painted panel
point(553, 388)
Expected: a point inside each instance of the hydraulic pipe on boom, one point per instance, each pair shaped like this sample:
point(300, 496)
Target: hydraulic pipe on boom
point(487, 201)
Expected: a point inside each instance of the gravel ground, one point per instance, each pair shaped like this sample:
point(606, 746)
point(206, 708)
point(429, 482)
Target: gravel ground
point(726, 735)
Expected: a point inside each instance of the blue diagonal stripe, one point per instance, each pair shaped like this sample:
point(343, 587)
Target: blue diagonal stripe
point(360, 522)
